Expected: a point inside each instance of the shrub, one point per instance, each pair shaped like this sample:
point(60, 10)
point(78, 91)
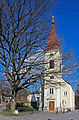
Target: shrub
point(0, 101)
point(22, 108)
point(19, 105)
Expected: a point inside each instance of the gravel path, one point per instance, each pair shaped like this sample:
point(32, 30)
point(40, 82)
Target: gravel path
point(45, 116)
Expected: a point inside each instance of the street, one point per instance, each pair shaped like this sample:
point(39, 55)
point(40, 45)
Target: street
point(44, 116)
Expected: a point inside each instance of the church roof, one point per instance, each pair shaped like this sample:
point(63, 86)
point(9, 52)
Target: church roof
point(52, 41)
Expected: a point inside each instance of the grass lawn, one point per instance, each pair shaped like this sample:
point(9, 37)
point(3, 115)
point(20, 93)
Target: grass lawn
point(12, 114)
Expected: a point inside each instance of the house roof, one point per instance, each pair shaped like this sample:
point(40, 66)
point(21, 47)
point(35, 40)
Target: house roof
point(52, 41)
point(68, 83)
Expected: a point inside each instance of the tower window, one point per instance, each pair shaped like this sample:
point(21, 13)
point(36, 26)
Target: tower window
point(51, 63)
point(51, 91)
point(51, 54)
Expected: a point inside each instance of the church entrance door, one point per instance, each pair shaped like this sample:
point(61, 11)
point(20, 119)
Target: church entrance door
point(51, 105)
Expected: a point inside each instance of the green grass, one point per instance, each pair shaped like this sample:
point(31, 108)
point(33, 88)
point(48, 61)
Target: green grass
point(12, 114)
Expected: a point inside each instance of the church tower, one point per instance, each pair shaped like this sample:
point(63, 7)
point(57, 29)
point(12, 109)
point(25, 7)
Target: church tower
point(53, 57)
point(57, 94)
point(52, 71)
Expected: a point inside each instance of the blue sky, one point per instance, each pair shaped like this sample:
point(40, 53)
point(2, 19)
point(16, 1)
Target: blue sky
point(66, 13)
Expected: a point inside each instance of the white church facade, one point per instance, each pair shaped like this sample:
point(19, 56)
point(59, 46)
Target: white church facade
point(56, 93)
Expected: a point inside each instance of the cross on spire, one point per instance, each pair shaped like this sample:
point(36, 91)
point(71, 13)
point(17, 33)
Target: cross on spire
point(53, 19)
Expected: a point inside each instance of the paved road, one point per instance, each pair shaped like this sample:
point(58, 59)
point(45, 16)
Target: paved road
point(45, 116)
point(2, 106)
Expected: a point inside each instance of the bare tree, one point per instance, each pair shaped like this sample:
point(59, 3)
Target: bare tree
point(77, 96)
point(24, 30)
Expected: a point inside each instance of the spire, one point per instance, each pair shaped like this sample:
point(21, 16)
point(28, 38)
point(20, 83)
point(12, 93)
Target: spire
point(52, 41)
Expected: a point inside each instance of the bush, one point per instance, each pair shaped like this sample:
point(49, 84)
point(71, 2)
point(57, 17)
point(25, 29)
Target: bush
point(0, 101)
point(25, 108)
point(22, 108)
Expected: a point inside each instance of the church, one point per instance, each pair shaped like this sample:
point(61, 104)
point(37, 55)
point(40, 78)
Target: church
point(56, 94)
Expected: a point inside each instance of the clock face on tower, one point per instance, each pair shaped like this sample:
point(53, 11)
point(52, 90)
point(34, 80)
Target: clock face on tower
point(51, 77)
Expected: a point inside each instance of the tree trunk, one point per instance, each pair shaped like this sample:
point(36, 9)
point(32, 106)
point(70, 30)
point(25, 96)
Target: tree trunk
point(13, 102)
point(12, 107)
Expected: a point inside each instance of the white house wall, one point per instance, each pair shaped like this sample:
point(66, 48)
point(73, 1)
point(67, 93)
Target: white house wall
point(58, 97)
point(45, 97)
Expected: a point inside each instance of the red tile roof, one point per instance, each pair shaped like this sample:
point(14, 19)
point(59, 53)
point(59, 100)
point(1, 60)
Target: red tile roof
point(52, 41)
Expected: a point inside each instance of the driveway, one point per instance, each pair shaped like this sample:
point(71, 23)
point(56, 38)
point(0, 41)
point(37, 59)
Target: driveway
point(45, 116)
